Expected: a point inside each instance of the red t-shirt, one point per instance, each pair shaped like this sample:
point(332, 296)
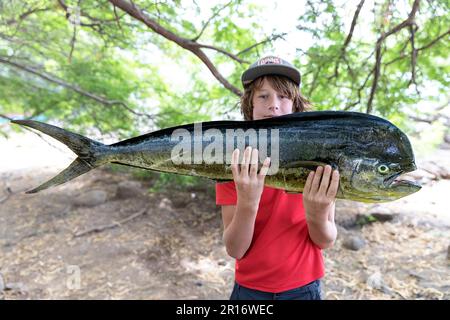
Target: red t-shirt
point(281, 256)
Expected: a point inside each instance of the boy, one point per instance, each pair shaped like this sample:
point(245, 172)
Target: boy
point(275, 237)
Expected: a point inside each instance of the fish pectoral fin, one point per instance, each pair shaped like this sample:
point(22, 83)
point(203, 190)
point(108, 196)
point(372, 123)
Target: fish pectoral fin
point(310, 165)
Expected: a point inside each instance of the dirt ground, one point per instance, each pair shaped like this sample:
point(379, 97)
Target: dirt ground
point(103, 236)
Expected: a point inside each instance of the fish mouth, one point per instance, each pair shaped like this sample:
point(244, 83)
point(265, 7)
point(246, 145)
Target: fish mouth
point(394, 180)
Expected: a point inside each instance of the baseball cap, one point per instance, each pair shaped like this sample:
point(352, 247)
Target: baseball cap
point(270, 65)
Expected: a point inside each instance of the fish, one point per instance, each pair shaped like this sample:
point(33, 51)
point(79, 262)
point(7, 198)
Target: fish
point(370, 152)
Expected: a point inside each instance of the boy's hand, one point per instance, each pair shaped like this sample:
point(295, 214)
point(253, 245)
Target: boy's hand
point(319, 194)
point(249, 183)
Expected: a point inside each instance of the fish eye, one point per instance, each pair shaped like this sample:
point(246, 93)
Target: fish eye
point(383, 169)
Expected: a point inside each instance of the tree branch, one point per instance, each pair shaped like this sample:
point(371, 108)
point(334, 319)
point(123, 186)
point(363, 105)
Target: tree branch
point(117, 19)
point(376, 73)
point(187, 44)
point(72, 87)
point(84, 14)
point(428, 45)
point(232, 56)
point(32, 131)
point(407, 22)
point(111, 225)
point(210, 19)
point(412, 29)
point(314, 81)
point(348, 38)
point(269, 39)
point(26, 14)
point(96, 24)
point(433, 42)
point(5, 117)
point(430, 118)
point(72, 42)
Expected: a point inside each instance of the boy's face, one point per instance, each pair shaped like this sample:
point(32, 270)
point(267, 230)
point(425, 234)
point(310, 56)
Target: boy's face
point(269, 103)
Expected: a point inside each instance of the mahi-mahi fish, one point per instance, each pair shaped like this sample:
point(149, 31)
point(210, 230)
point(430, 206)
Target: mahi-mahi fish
point(370, 152)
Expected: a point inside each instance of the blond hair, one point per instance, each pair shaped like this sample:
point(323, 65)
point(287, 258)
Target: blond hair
point(282, 85)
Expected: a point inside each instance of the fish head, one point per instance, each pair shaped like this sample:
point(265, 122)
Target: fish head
point(374, 174)
point(372, 180)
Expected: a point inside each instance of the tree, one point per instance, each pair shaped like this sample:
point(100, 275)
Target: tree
point(386, 69)
point(81, 61)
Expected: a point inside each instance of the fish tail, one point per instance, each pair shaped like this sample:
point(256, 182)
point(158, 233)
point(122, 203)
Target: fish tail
point(90, 152)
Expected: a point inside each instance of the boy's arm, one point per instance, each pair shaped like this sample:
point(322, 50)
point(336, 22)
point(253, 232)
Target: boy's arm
point(239, 220)
point(323, 233)
point(239, 223)
point(319, 196)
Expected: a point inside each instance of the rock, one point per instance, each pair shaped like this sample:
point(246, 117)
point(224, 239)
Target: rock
point(91, 198)
point(341, 231)
point(382, 214)
point(363, 219)
point(445, 146)
point(415, 274)
point(419, 175)
point(15, 286)
point(354, 243)
point(128, 189)
point(165, 204)
point(368, 218)
point(179, 200)
point(445, 173)
point(221, 263)
point(447, 137)
point(347, 213)
point(376, 281)
point(436, 170)
point(384, 217)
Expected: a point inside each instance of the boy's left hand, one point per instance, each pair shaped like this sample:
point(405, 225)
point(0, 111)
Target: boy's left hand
point(319, 194)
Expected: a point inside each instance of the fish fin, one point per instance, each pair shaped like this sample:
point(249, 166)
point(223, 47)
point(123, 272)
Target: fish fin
point(79, 144)
point(310, 165)
point(88, 151)
point(75, 169)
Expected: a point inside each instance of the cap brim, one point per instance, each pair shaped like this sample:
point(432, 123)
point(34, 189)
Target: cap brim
point(270, 69)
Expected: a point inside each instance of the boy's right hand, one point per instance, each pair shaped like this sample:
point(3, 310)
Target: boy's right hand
point(249, 183)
